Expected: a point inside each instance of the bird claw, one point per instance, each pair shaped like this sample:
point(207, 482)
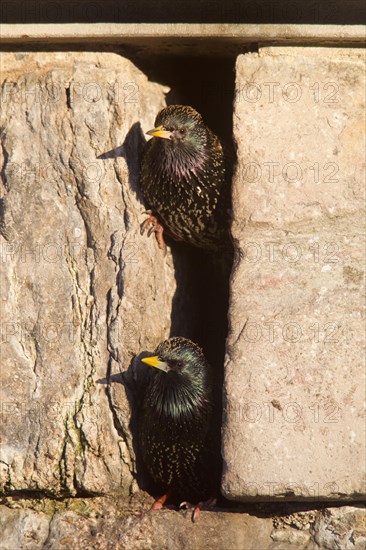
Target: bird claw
point(150, 231)
point(155, 227)
point(203, 505)
point(186, 505)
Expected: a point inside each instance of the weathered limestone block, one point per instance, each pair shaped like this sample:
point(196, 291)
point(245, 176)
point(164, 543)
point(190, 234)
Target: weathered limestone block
point(106, 527)
point(294, 387)
point(107, 524)
point(81, 290)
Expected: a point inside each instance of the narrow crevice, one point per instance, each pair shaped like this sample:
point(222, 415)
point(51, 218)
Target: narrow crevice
point(33, 494)
point(5, 162)
point(68, 97)
point(201, 301)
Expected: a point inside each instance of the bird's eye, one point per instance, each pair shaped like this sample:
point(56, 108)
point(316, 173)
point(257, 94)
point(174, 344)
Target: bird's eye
point(182, 131)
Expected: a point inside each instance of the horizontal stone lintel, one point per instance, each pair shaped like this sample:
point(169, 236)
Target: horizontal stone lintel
point(153, 33)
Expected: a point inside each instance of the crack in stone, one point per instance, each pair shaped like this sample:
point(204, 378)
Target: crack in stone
point(68, 97)
point(87, 359)
point(112, 316)
point(35, 362)
point(5, 162)
point(47, 542)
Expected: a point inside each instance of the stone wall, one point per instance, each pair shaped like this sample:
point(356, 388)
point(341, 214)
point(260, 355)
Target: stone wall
point(83, 292)
point(295, 373)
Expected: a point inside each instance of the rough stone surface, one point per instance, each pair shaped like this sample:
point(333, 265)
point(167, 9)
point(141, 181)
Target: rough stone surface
point(114, 524)
point(294, 387)
point(106, 524)
point(82, 291)
point(341, 528)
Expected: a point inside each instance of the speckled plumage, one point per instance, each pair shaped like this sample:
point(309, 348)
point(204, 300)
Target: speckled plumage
point(183, 179)
point(174, 421)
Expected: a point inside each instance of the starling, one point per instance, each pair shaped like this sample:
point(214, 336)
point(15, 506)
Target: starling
point(175, 421)
point(184, 181)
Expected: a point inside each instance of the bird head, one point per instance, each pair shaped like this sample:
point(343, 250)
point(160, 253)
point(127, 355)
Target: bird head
point(178, 124)
point(181, 137)
point(182, 377)
point(176, 355)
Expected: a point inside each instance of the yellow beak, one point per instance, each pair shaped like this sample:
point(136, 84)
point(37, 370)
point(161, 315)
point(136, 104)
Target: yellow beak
point(155, 362)
point(160, 133)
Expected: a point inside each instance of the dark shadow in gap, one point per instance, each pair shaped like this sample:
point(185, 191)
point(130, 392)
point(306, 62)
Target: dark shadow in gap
point(200, 303)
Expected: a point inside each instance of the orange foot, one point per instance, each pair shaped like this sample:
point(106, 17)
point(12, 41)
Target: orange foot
point(158, 504)
point(203, 505)
point(156, 227)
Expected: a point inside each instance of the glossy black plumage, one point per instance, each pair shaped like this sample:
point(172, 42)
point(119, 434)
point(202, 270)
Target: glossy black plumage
point(175, 421)
point(183, 178)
